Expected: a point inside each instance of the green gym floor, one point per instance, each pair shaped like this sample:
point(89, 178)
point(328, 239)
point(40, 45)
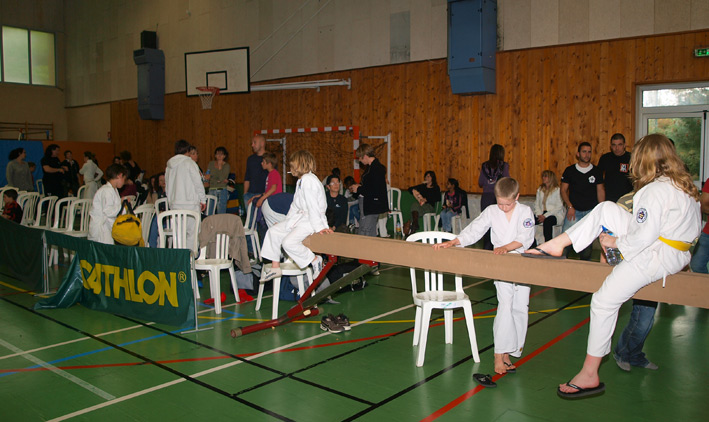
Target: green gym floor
point(85, 365)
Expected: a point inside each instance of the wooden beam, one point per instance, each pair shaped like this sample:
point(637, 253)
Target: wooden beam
point(690, 289)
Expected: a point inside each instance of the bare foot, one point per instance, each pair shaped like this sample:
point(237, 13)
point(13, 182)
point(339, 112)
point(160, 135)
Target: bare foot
point(554, 247)
point(581, 380)
point(500, 363)
point(507, 362)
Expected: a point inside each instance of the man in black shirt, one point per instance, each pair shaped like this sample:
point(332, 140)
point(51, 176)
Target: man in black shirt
point(336, 205)
point(581, 190)
point(615, 166)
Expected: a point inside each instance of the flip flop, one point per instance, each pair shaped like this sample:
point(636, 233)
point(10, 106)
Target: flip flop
point(484, 380)
point(510, 370)
point(581, 392)
point(541, 255)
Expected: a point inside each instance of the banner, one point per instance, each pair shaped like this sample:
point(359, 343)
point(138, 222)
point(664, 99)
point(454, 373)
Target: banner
point(21, 253)
point(145, 283)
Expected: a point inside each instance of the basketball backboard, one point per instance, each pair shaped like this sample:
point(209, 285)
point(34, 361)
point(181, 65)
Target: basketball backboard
point(226, 69)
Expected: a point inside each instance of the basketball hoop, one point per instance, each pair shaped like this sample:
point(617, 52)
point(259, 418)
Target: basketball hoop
point(206, 94)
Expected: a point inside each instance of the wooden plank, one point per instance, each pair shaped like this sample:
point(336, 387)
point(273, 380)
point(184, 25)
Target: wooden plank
point(689, 289)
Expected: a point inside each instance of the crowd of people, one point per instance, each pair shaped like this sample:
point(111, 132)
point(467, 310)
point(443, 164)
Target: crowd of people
point(647, 199)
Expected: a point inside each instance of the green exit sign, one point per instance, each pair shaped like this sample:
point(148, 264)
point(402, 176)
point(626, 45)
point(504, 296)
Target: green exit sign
point(701, 52)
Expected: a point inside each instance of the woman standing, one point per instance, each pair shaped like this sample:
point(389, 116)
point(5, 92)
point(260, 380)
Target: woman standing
point(492, 170)
point(92, 175)
point(18, 171)
point(548, 206)
point(218, 176)
point(372, 191)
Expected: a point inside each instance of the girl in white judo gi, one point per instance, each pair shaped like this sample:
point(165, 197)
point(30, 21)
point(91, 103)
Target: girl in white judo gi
point(654, 242)
point(305, 217)
point(512, 230)
point(106, 205)
point(92, 175)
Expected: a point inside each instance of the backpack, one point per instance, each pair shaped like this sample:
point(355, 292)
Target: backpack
point(126, 229)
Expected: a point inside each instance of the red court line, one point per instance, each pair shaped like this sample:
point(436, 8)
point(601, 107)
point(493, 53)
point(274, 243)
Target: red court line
point(443, 410)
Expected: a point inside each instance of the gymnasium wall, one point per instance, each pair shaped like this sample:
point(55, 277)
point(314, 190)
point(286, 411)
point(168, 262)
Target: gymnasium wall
point(549, 99)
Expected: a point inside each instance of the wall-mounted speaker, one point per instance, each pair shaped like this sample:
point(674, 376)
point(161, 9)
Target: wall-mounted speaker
point(151, 83)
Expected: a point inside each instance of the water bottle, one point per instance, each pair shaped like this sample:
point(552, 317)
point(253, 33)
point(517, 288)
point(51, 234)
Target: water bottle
point(398, 227)
point(238, 211)
point(613, 256)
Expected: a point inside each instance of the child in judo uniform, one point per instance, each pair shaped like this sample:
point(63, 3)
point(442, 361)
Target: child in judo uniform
point(654, 241)
point(106, 205)
point(512, 231)
point(305, 217)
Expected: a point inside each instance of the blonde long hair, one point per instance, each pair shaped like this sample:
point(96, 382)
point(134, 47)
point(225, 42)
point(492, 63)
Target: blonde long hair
point(302, 162)
point(654, 156)
point(546, 190)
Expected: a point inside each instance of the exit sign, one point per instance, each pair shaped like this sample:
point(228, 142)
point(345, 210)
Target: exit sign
point(701, 52)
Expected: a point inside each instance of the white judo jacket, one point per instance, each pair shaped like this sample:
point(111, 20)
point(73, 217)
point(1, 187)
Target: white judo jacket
point(104, 210)
point(502, 232)
point(183, 184)
point(309, 204)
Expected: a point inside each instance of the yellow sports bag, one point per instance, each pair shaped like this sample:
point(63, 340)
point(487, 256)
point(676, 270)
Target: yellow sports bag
point(126, 229)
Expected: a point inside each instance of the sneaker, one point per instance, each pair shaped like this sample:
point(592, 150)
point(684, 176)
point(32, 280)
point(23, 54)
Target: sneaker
point(649, 365)
point(375, 271)
point(317, 267)
point(328, 323)
point(270, 273)
point(343, 321)
point(621, 363)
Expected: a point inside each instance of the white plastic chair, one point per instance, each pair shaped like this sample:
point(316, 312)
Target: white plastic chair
point(290, 269)
point(433, 217)
point(28, 202)
point(130, 198)
point(457, 220)
point(161, 205)
point(220, 261)
point(40, 187)
point(61, 213)
point(45, 203)
point(350, 205)
point(435, 297)
point(80, 208)
point(211, 205)
point(394, 198)
point(177, 221)
point(145, 213)
point(81, 192)
point(251, 231)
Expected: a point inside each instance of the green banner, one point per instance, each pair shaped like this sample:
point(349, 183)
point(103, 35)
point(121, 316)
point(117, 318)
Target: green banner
point(146, 283)
point(21, 253)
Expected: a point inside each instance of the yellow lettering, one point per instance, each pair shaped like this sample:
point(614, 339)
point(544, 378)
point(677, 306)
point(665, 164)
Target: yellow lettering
point(108, 271)
point(92, 282)
point(169, 289)
point(122, 282)
point(148, 298)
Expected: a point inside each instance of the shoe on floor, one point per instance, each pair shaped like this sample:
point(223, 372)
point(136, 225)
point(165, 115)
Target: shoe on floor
point(270, 273)
point(581, 392)
point(317, 267)
point(343, 321)
point(485, 380)
point(375, 271)
point(648, 365)
point(621, 363)
point(328, 323)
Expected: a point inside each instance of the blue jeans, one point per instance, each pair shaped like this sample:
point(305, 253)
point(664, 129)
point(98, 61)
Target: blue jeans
point(698, 264)
point(222, 198)
point(585, 254)
point(632, 339)
point(446, 218)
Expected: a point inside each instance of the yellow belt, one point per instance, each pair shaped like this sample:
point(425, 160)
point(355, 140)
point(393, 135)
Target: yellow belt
point(677, 244)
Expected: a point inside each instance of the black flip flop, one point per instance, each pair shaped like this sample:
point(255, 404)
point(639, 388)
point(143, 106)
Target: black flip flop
point(541, 255)
point(581, 392)
point(510, 370)
point(484, 380)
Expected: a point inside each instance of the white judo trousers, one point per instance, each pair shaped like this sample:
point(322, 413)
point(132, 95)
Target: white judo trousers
point(509, 328)
point(305, 217)
point(659, 209)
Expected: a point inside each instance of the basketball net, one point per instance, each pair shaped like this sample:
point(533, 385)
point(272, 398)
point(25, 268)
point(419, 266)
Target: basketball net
point(206, 94)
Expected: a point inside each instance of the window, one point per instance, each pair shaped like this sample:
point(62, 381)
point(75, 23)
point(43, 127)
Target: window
point(28, 56)
point(678, 111)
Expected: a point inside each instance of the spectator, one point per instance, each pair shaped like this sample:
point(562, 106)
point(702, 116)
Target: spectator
point(71, 177)
point(12, 210)
point(18, 171)
point(426, 196)
point(184, 187)
point(491, 171)
point(156, 188)
point(548, 206)
point(135, 173)
point(92, 175)
point(336, 205)
point(53, 172)
point(106, 205)
point(454, 199)
point(615, 168)
point(255, 178)
point(274, 184)
point(218, 177)
point(372, 191)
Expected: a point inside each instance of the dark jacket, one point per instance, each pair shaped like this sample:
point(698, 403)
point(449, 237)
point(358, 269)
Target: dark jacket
point(374, 189)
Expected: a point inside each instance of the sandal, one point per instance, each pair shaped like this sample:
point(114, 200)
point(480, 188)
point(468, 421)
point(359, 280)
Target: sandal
point(485, 380)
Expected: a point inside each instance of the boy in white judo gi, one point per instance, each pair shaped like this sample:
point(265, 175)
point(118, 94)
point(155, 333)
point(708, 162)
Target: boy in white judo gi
point(305, 217)
point(106, 205)
point(654, 242)
point(512, 231)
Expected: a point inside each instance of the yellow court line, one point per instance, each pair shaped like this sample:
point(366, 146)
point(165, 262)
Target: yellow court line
point(29, 292)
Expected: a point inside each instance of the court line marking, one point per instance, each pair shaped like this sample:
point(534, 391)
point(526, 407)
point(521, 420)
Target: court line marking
point(76, 380)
